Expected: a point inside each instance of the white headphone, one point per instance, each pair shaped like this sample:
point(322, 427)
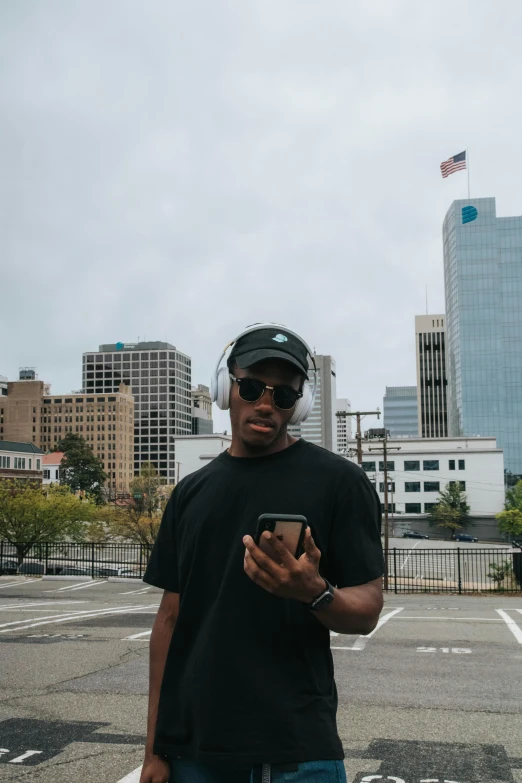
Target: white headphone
point(221, 382)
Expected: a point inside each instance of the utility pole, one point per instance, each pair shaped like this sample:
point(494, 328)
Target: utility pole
point(358, 436)
point(385, 448)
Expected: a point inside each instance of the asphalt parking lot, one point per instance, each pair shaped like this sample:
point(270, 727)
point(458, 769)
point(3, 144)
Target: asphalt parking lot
point(433, 695)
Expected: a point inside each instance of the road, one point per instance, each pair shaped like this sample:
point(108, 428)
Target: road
point(432, 695)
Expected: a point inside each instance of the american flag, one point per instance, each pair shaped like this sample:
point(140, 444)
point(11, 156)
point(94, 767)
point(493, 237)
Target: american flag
point(456, 163)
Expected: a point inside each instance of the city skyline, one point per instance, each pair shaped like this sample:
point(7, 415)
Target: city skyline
point(137, 205)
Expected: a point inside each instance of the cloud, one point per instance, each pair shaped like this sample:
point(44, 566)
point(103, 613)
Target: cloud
point(181, 170)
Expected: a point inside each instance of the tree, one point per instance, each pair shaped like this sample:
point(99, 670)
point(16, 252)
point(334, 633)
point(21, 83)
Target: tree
point(510, 522)
point(31, 515)
point(452, 510)
point(138, 519)
point(514, 497)
point(498, 573)
point(81, 470)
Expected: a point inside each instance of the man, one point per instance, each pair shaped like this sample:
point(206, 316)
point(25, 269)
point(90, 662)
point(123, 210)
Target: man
point(241, 672)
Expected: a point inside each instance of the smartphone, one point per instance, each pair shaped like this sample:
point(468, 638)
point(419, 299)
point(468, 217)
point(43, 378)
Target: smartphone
point(288, 528)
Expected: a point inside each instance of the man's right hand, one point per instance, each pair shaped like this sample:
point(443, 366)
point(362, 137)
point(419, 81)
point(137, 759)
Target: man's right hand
point(155, 770)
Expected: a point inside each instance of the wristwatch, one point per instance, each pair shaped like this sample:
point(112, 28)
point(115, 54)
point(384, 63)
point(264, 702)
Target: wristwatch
point(321, 601)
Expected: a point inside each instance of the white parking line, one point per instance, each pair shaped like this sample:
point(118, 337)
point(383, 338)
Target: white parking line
point(407, 558)
point(59, 618)
point(137, 636)
point(141, 590)
point(454, 619)
point(360, 642)
point(132, 777)
point(84, 585)
point(25, 607)
point(511, 624)
point(18, 584)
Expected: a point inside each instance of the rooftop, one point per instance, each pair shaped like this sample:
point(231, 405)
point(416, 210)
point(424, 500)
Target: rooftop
point(27, 448)
point(54, 458)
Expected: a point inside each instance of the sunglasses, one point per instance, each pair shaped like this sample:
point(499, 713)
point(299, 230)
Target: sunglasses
point(251, 390)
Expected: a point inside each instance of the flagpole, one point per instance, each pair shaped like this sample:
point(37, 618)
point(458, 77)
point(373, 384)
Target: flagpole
point(467, 166)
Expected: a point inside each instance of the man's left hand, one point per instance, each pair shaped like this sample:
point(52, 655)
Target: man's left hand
point(288, 577)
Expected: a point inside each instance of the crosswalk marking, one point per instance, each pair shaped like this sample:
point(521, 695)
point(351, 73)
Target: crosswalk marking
point(511, 624)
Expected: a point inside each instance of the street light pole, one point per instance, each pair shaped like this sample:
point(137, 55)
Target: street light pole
point(384, 448)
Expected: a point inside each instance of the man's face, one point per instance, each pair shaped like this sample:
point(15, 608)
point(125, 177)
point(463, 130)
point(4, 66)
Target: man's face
point(259, 425)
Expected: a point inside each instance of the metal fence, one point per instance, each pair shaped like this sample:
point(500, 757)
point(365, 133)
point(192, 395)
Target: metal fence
point(451, 570)
point(74, 559)
point(455, 570)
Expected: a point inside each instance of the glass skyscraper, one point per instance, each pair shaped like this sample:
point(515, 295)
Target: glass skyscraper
point(483, 285)
point(400, 411)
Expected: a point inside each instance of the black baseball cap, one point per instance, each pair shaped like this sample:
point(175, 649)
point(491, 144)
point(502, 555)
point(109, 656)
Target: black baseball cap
point(270, 343)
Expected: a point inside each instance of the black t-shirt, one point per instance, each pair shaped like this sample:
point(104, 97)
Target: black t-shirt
point(249, 676)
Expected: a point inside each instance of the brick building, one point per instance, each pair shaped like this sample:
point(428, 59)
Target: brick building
point(106, 421)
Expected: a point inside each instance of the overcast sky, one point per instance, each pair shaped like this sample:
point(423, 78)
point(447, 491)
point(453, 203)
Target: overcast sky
point(179, 170)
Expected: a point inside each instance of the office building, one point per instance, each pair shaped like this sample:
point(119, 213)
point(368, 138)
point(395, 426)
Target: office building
point(422, 467)
point(160, 380)
point(3, 386)
point(202, 423)
point(400, 411)
point(321, 425)
point(432, 382)
point(344, 424)
point(30, 414)
point(483, 287)
point(20, 462)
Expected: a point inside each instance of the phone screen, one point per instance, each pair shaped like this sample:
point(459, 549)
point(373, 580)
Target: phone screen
point(288, 533)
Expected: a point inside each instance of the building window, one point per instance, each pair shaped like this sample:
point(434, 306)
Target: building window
point(412, 508)
point(412, 486)
point(391, 465)
point(451, 464)
point(430, 464)
point(462, 464)
point(429, 506)
point(38, 464)
point(413, 464)
point(368, 467)
point(391, 508)
point(46, 473)
point(6, 462)
point(431, 486)
point(391, 486)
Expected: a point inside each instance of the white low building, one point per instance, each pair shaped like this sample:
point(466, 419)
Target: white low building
point(195, 451)
point(418, 468)
point(51, 467)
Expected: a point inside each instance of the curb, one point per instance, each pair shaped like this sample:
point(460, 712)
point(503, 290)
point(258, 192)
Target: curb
point(131, 579)
point(68, 578)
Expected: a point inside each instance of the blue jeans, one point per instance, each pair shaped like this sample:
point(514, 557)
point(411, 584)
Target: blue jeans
point(189, 771)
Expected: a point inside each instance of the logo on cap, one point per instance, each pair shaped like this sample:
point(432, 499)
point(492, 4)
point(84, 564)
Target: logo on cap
point(280, 338)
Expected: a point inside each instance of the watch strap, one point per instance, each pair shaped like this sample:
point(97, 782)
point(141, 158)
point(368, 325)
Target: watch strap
point(319, 599)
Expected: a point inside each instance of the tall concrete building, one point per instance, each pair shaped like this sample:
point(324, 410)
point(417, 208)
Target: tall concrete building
point(160, 379)
point(483, 287)
point(29, 414)
point(432, 381)
point(344, 424)
point(400, 411)
point(321, 426)
point(202, 423)
point(3, 386)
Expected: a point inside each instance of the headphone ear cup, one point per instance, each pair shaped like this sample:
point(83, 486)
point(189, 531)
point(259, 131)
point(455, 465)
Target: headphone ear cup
point(222, 390)
point(303, 407)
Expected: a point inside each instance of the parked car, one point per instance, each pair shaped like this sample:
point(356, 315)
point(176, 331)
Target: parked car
point(464, 537)
point(8, 567)
point(36, 568)
point(517, 542)
point(113, 570)
point(414, 534)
